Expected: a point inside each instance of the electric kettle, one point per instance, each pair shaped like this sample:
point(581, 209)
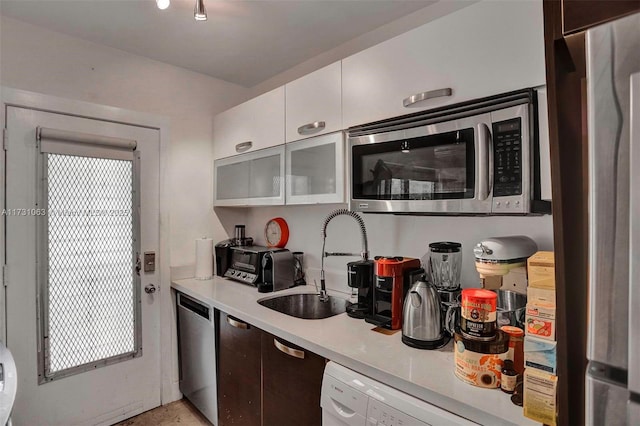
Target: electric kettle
point(422, 317)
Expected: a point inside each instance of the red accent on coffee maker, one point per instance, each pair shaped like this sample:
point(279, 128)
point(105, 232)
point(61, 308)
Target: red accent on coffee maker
point(391, 283)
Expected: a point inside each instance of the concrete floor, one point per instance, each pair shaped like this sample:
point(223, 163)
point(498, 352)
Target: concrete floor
point(176, 413)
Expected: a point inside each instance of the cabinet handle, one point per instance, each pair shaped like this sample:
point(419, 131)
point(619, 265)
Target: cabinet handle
point(412, 100)
point(237, 324)
point(244, 146)
point(311, 128)
point(296, 353)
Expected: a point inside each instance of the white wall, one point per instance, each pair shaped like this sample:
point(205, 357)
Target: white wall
point(38, 60)
point(50, 63)
point(391, 235)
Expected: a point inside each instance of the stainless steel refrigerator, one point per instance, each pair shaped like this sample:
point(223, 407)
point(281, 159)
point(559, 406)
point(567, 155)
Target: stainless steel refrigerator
point(613, 346)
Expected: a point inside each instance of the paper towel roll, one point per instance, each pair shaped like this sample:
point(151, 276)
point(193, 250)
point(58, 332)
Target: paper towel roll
point(204, 258)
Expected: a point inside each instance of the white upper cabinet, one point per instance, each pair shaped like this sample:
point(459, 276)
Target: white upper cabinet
point(251, 179)
point(255, 124)
point(314, 103)
point(484, 49)
point(315, 170)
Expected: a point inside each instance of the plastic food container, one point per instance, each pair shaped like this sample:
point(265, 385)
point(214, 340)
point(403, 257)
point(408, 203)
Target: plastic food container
point(480, 363)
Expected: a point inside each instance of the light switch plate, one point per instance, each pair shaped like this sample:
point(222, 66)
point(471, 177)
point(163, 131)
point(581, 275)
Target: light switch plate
point(149, 261)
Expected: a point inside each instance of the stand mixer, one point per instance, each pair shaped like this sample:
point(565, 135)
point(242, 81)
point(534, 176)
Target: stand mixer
point(501, 262)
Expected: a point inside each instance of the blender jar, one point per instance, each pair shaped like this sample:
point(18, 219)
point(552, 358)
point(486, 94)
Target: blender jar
point(445, 265)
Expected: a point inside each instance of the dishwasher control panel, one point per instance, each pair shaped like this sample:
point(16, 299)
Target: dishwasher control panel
point(380, 414)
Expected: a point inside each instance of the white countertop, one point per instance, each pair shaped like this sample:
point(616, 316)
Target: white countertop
point(425, 374)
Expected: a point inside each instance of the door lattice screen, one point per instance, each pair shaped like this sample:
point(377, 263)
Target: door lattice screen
point(90, 284)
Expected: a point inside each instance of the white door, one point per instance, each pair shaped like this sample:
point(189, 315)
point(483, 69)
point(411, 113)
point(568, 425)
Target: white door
point(83, 331)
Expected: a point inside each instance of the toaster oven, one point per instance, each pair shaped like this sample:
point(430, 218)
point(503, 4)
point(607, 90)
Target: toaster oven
point(246, 264)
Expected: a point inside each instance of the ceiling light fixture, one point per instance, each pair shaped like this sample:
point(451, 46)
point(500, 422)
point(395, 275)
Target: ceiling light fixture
point(200, 13)
point(163, 4)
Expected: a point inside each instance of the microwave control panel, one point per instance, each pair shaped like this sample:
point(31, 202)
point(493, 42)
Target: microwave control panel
point(507, 158)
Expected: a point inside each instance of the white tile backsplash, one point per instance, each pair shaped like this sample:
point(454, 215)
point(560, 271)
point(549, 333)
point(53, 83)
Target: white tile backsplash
point(390, 235)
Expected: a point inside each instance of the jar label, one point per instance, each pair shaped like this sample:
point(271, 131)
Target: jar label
point(478, 313)
point(509, 383)
point(476, 368)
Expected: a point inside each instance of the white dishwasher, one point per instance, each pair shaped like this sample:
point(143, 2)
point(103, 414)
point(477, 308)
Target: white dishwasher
point(351, 399)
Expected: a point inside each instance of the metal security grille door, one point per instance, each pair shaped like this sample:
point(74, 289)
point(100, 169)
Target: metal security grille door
point(90, 303)
point(82, 197)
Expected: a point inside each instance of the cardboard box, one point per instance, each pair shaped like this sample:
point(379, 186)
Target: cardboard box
point(540, 322)
point(541, 297)
point(541, 270)
point(539, 395)
point(540, 354)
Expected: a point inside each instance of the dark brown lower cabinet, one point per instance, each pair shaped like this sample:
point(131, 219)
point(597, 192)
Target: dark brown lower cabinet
point(239, 372)
point(291, 384)
point(263, 380)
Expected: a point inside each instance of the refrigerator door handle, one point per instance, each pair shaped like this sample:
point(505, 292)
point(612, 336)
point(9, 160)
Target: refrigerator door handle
point(634, 238)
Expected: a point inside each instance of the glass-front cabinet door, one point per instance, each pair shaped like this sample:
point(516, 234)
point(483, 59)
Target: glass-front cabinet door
point(315, 170)
point(252, 179)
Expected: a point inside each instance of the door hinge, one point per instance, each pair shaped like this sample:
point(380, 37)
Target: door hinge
point(5, 275)
point(5, 138)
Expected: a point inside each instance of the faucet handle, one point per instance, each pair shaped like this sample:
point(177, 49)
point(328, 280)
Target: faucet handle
point(322, 293)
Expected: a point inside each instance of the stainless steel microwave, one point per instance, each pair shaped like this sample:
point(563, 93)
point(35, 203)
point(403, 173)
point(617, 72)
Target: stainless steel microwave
point(477, 157)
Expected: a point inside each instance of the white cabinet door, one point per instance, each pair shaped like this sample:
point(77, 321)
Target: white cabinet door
point(251, 179)
point(484, 49)
point(314, 103)
point(253, 125)
point(315, 170)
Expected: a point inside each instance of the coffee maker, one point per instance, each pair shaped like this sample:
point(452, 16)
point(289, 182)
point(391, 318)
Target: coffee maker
point(277, 271)
point(393, 278)
point(360, 279)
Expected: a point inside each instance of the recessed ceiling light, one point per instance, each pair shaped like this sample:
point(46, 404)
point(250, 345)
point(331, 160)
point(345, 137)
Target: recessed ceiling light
point(200, 13)
point(163, 4)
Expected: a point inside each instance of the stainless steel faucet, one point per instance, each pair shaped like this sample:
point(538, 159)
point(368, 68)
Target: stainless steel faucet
point(364, 253)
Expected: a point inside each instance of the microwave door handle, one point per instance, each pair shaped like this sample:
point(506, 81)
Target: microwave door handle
point(634, 239)
point(485, 162)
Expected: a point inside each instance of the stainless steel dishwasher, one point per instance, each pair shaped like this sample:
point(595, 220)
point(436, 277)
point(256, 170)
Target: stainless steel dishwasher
point(197, 354)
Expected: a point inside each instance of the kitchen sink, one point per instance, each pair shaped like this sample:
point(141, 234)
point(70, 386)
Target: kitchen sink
point(306, 306)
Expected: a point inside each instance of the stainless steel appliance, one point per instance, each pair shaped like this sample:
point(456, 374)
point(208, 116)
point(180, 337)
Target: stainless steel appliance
point(277, 271)
point(613, 342)
point(511, 308)
point(246, 263)
point(223, 249)
point(197, 355)
point(422, 325)
point(478, 157)
point(240, 239)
